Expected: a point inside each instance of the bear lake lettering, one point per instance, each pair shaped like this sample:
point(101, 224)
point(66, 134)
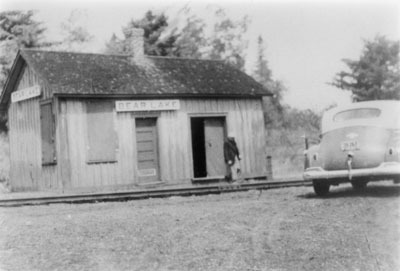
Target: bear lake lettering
point(25, 94)
point(146, 105)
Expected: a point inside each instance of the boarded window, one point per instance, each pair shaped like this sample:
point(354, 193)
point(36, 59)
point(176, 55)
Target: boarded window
point(102, 139)
point(47, 129)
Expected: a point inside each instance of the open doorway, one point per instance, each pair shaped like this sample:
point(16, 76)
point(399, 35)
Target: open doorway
point(208, 135)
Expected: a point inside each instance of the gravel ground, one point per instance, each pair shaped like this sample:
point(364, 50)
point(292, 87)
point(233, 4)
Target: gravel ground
point(281, 229)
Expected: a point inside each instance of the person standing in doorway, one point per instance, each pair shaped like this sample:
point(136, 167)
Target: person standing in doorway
point(232, 158)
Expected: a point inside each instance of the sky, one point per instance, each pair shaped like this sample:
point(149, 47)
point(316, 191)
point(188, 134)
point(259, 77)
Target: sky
point(305, 41)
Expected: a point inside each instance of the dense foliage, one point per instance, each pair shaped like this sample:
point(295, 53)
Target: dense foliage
point(17, 29)
point(188, 38)
point(153, 26)
point(375, 75)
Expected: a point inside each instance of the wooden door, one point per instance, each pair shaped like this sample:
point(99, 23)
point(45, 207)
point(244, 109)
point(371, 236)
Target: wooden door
point(147, 150)
point(214, 133)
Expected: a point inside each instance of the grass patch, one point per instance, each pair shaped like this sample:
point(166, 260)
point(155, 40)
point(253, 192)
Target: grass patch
point(286, 147)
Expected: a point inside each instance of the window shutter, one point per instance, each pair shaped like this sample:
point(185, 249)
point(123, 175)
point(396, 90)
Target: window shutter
point(102, 139)
point(47, 128)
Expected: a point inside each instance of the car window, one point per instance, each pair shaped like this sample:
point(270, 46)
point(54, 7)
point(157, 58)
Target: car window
point(360, 113)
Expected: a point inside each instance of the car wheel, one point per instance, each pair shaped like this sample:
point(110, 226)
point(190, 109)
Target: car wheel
point(359, 184)
point(321, 189)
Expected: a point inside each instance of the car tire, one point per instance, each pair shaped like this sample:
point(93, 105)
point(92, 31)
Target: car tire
point(358, 185)
point(320, 188)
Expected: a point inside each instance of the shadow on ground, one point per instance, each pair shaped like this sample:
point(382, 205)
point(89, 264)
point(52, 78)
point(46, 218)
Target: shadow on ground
point(372, 190)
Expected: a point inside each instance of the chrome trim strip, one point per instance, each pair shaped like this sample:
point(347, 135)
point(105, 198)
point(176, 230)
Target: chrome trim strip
point(384, 169)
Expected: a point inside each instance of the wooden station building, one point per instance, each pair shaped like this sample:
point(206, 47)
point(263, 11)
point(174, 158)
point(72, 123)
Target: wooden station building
point(94, 122)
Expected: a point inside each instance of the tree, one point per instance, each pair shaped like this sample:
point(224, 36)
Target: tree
point(305, 119)
point(17, 30)
point(375, 75)
point(189, 39)
point(227, 42)
point(114, 45)
point(262, 72)
point(154, 44)
point(273, 109)
point(75, 35)
point(221, 38)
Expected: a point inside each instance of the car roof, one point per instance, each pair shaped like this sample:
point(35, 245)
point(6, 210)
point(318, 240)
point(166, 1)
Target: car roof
point(389, 117)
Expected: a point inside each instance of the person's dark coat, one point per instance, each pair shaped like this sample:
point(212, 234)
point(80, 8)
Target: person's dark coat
point(230, 151)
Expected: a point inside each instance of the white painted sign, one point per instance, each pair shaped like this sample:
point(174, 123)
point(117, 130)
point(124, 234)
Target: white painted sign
point(147, 172)
point(146, 105)
point(25, 94)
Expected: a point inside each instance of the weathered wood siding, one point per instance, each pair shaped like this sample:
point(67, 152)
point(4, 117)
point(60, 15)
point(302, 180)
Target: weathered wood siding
point(26, 171)
point(243, 116)
point(97, 175)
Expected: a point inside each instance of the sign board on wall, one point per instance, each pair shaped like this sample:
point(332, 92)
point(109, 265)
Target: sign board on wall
point(146, 105)
point(147, 172)
point(25, 94)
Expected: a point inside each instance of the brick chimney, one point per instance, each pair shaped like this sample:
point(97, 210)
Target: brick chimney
point(135, 44)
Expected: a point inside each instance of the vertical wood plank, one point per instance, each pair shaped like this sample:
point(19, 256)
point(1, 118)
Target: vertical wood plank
point(64, 166)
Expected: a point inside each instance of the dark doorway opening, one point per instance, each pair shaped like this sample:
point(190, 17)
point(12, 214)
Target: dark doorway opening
point(198, 148)
point(208, 135)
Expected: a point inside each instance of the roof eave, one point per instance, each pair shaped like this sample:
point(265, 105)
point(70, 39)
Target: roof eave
point(9, 81)
point(167, 95)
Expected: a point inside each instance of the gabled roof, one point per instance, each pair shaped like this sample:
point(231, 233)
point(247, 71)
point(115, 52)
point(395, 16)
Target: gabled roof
point(97, 74)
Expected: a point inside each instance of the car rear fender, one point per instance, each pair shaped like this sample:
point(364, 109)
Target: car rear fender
point(312, 156)
point(393, 147)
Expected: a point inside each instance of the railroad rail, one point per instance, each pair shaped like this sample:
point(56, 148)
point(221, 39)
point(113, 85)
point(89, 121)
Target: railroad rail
point(153, 193)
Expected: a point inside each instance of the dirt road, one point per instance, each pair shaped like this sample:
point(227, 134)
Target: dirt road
point(282, 229)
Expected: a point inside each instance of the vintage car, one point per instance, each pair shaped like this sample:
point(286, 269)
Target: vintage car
point(359, 143)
